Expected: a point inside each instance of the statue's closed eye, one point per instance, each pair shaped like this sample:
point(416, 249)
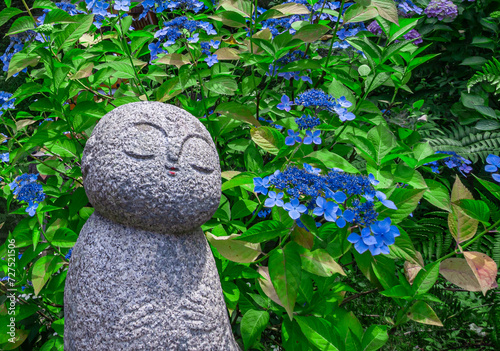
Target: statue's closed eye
point(198, 154)
point(147, 142)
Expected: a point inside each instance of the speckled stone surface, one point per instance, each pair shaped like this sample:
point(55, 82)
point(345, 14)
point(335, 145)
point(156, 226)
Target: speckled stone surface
point(141, 275)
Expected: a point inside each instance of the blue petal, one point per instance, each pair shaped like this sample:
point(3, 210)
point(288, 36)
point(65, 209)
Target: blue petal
point(389, 204)
point(361, 247)
point(341, 222)
point(294, 214)
point(490, 168)
point(339, 196)
point(353, 238)
point(496, 177)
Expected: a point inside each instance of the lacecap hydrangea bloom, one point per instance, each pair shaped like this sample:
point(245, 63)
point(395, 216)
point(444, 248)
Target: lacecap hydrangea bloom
point(442, 9)
point(336, 197)
point(25, 188)
point(493, 166)
point(453, 161)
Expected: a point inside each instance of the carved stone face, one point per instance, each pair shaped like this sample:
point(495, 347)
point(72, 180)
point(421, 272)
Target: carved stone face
point(152, 166)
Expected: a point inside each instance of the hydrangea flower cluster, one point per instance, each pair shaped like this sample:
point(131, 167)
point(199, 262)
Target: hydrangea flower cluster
point(159, 6)
point(493, 166)
point(307, 122)
point(442, 9)
point(375, 28)
point(319, 100)
point(25, 188)
point(68, 7)
point(172, 30)
point(406, 7)
point(375, 238)
point(6, 101)
point(16, 44)
point(413, 34)
point(347, 31)
point(337, 196)
point(100, 10)
point(283, 61)
point(454, 160)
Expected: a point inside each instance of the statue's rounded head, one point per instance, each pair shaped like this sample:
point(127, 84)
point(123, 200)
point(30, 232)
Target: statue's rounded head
point(152, 166)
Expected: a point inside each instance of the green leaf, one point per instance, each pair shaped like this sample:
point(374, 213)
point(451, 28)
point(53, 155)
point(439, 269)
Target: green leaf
point(234, 250)
point(319, 262)
point(44, 4)
point(238, 180)
point(264, 231)
point(374, 338)
point(422, 313)
point(358, 13)
point(252, 325)
point(405, 25)
point(73, 31)
point(43, 269)
point(476, 209)
point(319, 332)
point(426, 278)
point(8, 13)
point(222, 85)
point(230, 19)
point(62, 237)
point(243, 208)
point(285, 272)
point(438, 195)
point(20, 61)
point(474, 61)
point(237, 111)
point(58, 16)
point(332, 160)
point(22, 24)
point(387, 9)
point(268, 139)
point(493, 188)
point(383, 140)
point(311, 32)
point(406, 200)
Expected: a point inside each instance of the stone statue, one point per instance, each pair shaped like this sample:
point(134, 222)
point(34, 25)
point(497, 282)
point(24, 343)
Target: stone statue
point(142, 276)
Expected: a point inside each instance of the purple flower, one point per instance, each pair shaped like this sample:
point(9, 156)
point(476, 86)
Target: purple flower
point(375, 28)
point(312, 137)
point(295, 208)
point(442, 9)
point(413, 34)
point(274, 200)
point(285, 104)
point(292, 138)
point(211, 60)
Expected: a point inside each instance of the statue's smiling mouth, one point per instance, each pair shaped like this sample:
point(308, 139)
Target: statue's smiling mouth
point(172, 170)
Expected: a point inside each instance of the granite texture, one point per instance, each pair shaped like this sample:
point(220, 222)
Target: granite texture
point(142, 275)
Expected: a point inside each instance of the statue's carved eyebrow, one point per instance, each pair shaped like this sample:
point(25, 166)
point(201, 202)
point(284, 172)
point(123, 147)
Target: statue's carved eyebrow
point(155, 126)
point(190, 136)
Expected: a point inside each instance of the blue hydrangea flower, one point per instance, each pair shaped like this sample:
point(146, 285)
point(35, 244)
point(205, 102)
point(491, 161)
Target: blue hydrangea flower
point(493, 163)
point(362, 242)
point(211, 60)
point(68, 255)
point(493, 166)
point(122, 5)
point(307, 122)
point(215, 43)
point(195, 38)
point(4, 157)
point(26, 189)
point(155, 50)
point(372, 180)
point(344, 217)
point(292, 138)
point(274, 200)
point(327, 209)
point(383, 199)
point(338, 196)
point(285, 104)
point(261, 185)
point(312, 170)
point(294, 208)
point(312, 137)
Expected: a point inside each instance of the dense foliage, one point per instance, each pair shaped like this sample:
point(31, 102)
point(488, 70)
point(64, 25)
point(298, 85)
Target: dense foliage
point(358, 142)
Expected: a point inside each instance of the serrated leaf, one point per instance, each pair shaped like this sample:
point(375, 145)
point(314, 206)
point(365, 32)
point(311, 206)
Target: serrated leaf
point(20, 25)
point(387, 9)
point(8, 13)
point(319, 332)
point(227, 54)
point(319, 262)
point(252, 325)
point(73, 32)
point(222, 85)
point(457, 271)
point(484, 269)
point(264, 231)
point(374, 338)
point(285, 272)
point(358, 13)
point(476, 209)
point(426, 278)
point(177, 60)
point(406, 200)
point(438, 195)
point(422, 313)
point(311, 32)
point(234, 250)
point(43, 269)
point(237, 111)
point(268, 139)
point(267, 286)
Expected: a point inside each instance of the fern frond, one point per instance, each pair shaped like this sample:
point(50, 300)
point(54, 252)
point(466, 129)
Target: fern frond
point(490, 74)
